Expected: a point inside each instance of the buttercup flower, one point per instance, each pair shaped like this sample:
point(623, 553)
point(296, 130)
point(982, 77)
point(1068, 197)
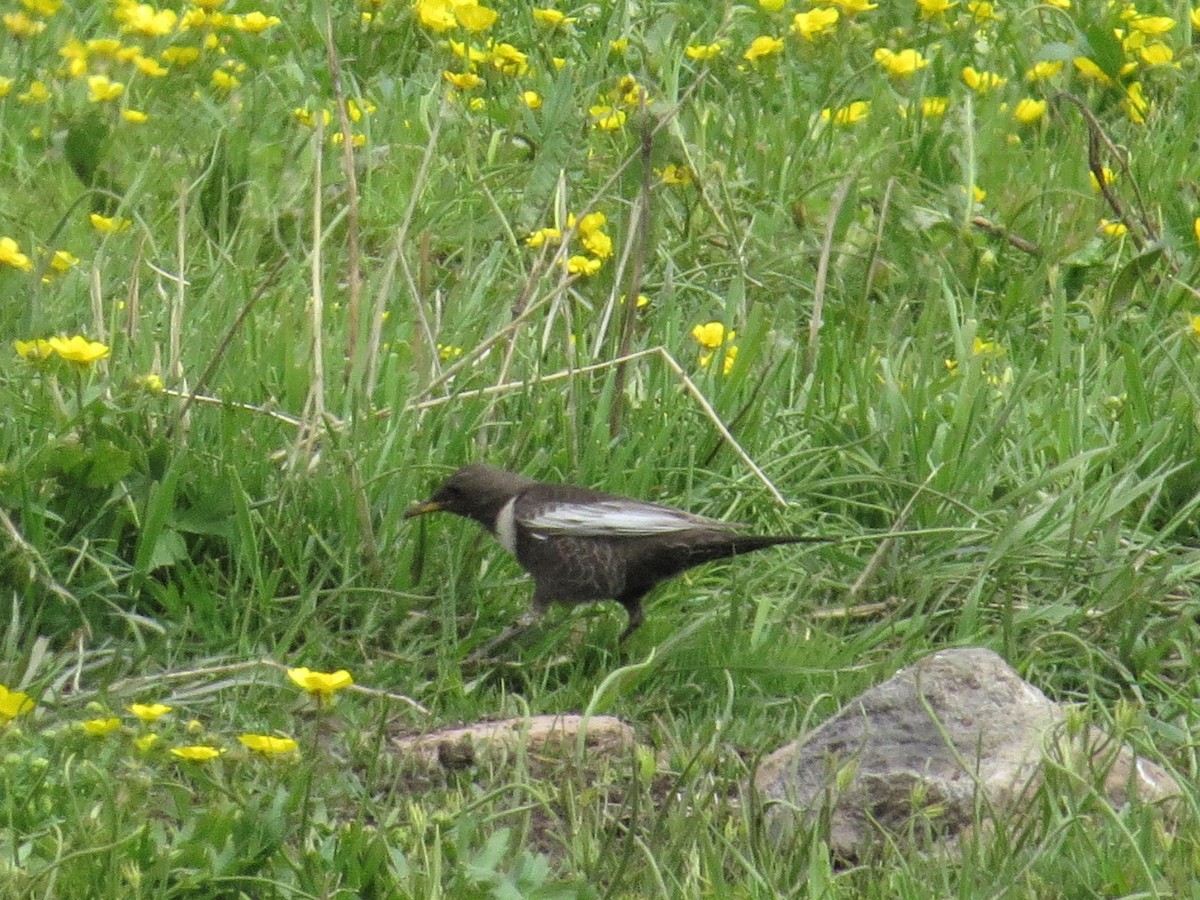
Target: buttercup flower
point(1112, 229)
point(703, 52)
point(809, 25)
point(1029, 111)
point(762, 47)
point(268, 745)
point(1108, 174)
point(463, 81)
point(108, 225)
point(13, 703)
point(197, 752)
point(583, 265)
point(255, 22)
point(149, 712)
point(552, 18)
point(1047, 68)
point(712, 335)
point(902, 64)
point(78, 349)
point(142, 18)
point(34, 350)
point(606, 118)
point(532, 99)
point(101, 89)
point(932, 9)
point(11, 255)
point(981, 82)
point(542, 236)
point(145, 742)
point(675, 175)
point(846, 115)
point(99, 727)
point(321, 683)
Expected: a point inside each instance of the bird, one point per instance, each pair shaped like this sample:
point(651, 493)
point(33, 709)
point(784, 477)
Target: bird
point(582, 545)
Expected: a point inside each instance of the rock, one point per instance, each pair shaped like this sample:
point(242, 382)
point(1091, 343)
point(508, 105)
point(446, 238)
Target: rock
point(932, 751)
point(544, 738)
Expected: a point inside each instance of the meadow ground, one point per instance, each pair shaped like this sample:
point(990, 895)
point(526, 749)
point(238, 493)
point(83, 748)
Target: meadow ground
point(919, 276)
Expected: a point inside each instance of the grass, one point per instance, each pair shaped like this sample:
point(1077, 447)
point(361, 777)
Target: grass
point(989, 401)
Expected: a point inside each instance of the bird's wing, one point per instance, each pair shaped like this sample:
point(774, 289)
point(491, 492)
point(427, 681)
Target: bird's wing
point(612, 518)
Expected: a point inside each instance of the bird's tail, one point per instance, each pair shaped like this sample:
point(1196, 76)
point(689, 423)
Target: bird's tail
point(748, 543)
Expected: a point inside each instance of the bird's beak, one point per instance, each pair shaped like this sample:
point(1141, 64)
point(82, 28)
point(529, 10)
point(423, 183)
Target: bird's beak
point(421, 509)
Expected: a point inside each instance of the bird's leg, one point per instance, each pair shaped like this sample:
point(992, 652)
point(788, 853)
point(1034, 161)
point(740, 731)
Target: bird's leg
point(633, 606)
point(524, 622)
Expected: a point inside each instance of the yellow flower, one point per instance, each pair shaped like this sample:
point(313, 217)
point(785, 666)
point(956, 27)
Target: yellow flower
point(932, 9)
point(1058, 4)
point(902, 64)
point(35, 350)
point(932, 107)
point(197, 752)
point(597, 243)
point(1194, 15)
point(619, 46)
point(542, 236)
point(675, 175)
point(477, 104)
point(1152, 24)
point(507, 58)
point(982, 12)
point(532, 99)
point(79, 349)
point(436, 15)
point(149, 712)
point(1109, 178)
point(703, 52)
point(109, 225)
point(255, 22)
point(981, 82)
point(762, 47)
point(712, 335)
point(447, 352)
point(986, 349)
point(1030, 111)
point(847, 115)
point(150, 382)
point(464, 81)
point(552, 18)
point(11, 255)
point(1156, 54)
point(98, 727)
point(101, 89)
point(223, 80)
point(853, 7)
point(148, 65)
point(1047, 68)
point(323, 683)
point(134, 116)
point(1135, 104)
point(606, 118)
point(142, 18)
point(180, 56)
point(37, 93)
point(1090, 70)
point(62, 260)
point(268, 745)
point(1112, 229)
point(583, 265)
point(772, 5)
point(146, 741)
point(809, 25)
point(20, 25)
point(1196, 229)
point(14, 703)
point(6, 86)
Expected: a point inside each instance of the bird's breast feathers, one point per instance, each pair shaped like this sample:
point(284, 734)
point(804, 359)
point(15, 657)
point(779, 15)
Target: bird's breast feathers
point(614, 518)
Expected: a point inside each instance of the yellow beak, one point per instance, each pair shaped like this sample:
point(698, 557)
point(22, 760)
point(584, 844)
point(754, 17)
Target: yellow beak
point(421, 509)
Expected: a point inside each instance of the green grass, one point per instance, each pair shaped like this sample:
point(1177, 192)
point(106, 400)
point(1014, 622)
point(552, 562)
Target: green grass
point(995, 413)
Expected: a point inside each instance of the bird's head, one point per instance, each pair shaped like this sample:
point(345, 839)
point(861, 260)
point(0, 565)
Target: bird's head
point(477, 491)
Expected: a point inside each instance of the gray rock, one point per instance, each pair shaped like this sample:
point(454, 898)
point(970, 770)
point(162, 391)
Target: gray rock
point(953, 740)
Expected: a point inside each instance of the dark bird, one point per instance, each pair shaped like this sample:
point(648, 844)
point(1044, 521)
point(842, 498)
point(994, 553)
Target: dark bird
point(582, 545)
